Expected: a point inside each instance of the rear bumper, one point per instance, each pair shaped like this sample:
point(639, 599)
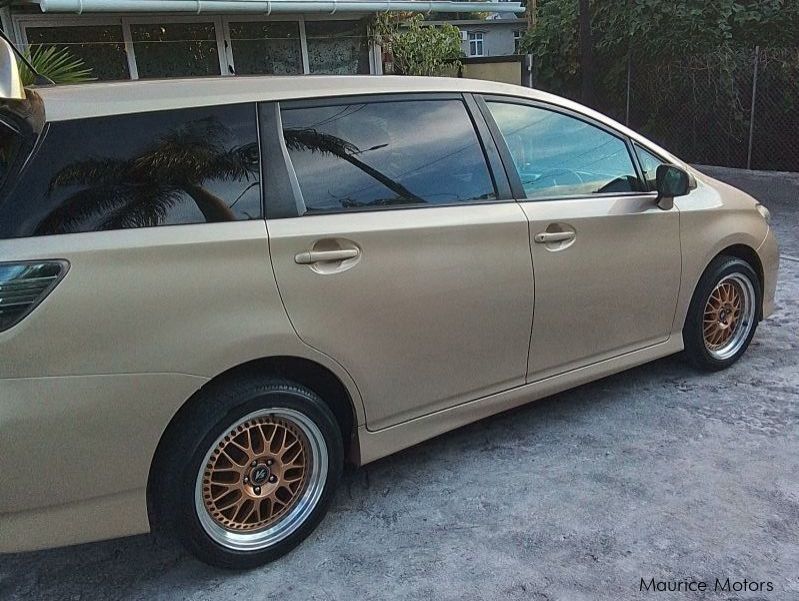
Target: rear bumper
point(75, 455)
point(770, 260)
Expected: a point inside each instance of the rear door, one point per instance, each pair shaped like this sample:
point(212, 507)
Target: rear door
point(606, 258)
point(396, 251)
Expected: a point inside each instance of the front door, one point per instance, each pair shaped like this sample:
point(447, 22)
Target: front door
point(606, 258)
point(402, 265)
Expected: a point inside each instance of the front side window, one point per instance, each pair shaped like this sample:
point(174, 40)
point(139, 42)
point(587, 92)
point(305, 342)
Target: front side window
point(378, 154)
point(266, 47)
point(163, 168)
point(475, 43)
point(337, 47)
point(649, 165)
point(100, 47)
point(175, 49)
point(559, 155)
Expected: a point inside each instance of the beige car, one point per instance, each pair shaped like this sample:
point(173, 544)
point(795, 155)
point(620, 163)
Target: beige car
point(215, 292)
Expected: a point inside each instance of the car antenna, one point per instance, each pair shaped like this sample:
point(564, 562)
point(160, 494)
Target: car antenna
point(38, 78)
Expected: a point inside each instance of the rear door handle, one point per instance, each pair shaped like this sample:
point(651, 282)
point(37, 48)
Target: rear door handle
point(326, 256)
point(550, 237)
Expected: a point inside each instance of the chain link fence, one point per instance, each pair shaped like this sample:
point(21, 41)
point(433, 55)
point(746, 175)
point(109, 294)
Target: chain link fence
point(738, 109)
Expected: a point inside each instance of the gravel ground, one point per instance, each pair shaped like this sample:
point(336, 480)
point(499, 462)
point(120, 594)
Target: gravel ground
point(660, 472)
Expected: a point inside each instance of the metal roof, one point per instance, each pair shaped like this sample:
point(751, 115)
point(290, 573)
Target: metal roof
point(268, 7)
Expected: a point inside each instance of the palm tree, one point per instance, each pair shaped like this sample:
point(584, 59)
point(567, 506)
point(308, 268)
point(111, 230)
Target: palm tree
point(140, 191)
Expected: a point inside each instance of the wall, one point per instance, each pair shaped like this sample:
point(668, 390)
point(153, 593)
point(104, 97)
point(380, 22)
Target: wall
point(494, 69)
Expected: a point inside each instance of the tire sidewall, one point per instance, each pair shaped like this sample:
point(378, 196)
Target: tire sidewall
point(198, 440)
point(693, 333)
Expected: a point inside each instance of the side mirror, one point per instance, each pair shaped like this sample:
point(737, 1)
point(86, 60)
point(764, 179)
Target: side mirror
point(672, 181)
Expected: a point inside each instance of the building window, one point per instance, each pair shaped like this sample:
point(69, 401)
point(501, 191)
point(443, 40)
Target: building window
point(517, 41)
point(151, 47)
point(101, 47)
point(475, 43)
point(337, 47)
point(266, 47)
point(175, 49)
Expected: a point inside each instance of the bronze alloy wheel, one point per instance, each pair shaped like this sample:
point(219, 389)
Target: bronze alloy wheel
point(729, 315)
point(261, 479)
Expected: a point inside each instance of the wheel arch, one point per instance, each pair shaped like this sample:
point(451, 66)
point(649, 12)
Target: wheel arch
point(749, 255)
point(740, 251)
point(314, 375)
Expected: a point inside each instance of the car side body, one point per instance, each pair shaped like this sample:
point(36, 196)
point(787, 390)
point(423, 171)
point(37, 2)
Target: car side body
point(439, 316)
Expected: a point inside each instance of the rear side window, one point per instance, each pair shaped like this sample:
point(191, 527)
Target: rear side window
point(387, 153)
point(163, 168)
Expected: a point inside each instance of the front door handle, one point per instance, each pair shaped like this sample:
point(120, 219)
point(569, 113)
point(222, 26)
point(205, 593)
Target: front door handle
point(326, 256)
point(550, 237)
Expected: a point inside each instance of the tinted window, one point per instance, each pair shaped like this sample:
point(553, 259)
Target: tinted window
point(558, 155)
point(386, 153)
point(164, 168)
point(649, 165)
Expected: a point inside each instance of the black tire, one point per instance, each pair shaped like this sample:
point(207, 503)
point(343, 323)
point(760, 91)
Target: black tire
point(696, 350)
point(212, 414)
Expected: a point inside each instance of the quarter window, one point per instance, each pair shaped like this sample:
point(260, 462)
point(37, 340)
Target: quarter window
point(163, 168)
point(379, 154)
point(558, 155)
point(649, 165)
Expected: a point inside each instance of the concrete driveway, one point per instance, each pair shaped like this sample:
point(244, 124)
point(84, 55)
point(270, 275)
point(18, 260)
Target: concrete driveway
point(660, 472)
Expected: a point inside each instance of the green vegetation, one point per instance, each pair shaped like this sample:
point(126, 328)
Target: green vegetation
point(57, 64)
point(415, 48)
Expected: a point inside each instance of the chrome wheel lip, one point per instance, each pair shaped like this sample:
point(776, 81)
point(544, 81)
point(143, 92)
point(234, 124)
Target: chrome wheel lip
point(746, 321)
point(257, 540)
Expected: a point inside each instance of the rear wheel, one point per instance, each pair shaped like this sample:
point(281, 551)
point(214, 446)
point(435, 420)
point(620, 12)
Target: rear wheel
point(723, 315)
point(250, 472)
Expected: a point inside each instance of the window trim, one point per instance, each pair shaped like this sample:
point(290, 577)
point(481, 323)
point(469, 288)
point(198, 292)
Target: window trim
point(285, 178)
point(510, 165)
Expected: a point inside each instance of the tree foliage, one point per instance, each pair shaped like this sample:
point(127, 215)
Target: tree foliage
point(655, 31)
point(418, 49)
point(57, 64)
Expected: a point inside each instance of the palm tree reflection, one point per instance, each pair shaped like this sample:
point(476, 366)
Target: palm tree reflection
point(309, 139)
point(142, 190)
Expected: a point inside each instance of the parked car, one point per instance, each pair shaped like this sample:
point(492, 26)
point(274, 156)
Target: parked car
point(213, 292)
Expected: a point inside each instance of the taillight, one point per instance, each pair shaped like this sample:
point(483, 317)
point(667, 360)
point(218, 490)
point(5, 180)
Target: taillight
point(25, 285)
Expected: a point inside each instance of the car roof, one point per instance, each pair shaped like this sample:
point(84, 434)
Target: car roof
point(114, 98)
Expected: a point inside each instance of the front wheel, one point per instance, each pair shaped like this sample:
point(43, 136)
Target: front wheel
point(723, 315)
point(250, 472)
